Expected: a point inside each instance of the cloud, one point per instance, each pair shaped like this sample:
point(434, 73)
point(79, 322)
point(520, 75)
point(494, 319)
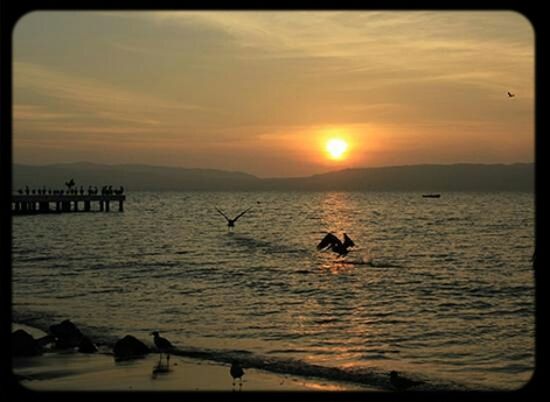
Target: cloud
point(93, 96)
point(178, 81)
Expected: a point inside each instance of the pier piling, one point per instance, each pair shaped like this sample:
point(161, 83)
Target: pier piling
point(40, 204)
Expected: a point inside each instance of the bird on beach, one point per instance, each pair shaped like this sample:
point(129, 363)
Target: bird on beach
point(231, 222)
point(401, 383)
point(163, 345)
point(236, 371)
point(511, 95)
point(331, 242)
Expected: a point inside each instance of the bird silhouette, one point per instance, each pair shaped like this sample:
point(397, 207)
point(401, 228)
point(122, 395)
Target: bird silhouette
point(402, 383)
point(511, 95)
point(163, 345)
point(231, 222)
point(236, 371)
point(336, 245)
point(70, 183)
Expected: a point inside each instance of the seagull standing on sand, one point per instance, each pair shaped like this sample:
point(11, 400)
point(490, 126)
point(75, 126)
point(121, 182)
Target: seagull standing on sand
point(236, 371)
point(231, 222)
point(402, 383)
point(163, 345)
point(336, 245)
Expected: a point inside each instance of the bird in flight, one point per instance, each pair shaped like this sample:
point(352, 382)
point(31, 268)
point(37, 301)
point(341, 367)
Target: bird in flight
point(163, 345)
point(231, 222)
point(331, 242)
point(236, 371)
point(511, 95)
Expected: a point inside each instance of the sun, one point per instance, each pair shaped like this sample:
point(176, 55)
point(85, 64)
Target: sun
point(336, 148)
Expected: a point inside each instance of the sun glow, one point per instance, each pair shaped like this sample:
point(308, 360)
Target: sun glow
point(336, 148)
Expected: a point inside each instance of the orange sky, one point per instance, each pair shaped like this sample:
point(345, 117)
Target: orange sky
point(262, 92)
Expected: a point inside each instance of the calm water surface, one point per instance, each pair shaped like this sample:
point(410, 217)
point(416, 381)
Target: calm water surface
point(439, 289)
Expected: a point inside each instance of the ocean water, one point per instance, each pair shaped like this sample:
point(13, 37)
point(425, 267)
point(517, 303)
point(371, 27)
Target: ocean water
point(440, 290)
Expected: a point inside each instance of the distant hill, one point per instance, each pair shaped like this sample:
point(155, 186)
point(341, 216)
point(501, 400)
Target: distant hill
point(132, 177)
point(425, 178)
point(458, 177)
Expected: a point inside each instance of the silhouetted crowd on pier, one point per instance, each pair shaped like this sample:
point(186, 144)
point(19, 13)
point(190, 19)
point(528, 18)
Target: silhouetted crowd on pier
point(72, 189)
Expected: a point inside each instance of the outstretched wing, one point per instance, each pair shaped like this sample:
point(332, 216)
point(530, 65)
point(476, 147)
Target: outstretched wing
point(328, 241)
point(222, 214)
point(348, 242)
point(241, 214)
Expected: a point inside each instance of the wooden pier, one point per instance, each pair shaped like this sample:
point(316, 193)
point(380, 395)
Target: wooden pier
point(43, 204)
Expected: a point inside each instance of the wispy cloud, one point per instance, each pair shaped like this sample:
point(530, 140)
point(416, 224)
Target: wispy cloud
point(83, 96)
point(37, 113)
point(181, 82)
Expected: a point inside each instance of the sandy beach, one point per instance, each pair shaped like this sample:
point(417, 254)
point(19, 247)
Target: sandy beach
point(73, 371)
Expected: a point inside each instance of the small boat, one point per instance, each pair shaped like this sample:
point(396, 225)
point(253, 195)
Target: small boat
point(431, 195)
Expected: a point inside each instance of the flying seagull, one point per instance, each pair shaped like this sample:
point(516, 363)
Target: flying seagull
point(511, 95)
point(236, 371)
point(402, 383)
point(231, 222)
point(163, 345)
point(334, 244)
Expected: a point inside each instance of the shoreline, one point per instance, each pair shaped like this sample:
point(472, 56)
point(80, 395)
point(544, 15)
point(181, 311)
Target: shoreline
point(74, 371)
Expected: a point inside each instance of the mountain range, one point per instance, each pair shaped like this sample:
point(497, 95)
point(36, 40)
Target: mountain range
point(425, 178)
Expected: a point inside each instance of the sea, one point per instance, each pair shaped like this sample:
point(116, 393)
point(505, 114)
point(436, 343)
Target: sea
point(439, 289)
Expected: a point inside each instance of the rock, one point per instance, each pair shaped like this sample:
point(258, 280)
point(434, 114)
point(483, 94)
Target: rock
point(86, 346)
point(67, 334)
point(129, 347)
point(45, 341)
point(23, 344)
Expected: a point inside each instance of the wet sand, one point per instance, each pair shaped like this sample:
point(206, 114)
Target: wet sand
point(73, 371)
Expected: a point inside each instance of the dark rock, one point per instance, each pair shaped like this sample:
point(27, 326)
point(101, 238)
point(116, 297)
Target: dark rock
point(401, 383)
point(67, 334)
point(129, 347)
point(23, 344)
point(86, 346)
point(46, 340)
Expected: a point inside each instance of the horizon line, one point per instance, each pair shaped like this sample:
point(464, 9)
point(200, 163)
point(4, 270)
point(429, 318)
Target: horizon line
point(272, 177)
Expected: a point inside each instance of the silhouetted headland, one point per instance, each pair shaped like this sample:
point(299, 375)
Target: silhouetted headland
point(422, 178)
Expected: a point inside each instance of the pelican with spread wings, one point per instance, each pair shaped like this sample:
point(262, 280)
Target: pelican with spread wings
point(333, 243)
point(231, 222)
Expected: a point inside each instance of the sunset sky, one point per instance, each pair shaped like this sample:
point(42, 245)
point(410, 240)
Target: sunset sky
point(263, 91)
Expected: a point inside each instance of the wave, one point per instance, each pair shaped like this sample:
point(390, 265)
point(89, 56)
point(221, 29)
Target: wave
point(371, 263)
point(254, 245)
point(357, 375)
point(20, 258)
